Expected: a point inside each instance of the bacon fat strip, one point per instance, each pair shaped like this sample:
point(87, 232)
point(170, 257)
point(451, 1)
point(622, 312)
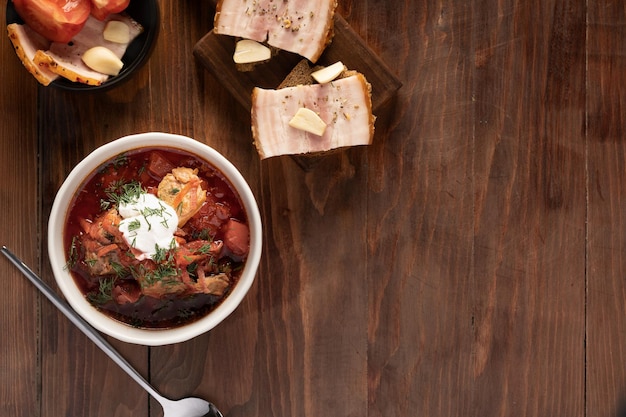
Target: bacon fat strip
point(304, 27)
point(344, 105)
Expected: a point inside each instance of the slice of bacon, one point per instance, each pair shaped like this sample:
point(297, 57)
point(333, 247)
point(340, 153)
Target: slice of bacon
point(345, 106)
point(301, 26)
point(65, 59)
point(26, 43)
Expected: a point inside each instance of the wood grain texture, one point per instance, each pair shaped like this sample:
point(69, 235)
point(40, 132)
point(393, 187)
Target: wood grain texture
point(606, 288)
point(529, 254)
point(468, 262)
point(420, 209)
point(19, 311)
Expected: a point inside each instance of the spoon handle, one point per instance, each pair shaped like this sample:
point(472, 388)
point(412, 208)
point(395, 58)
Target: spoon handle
point(85, 327)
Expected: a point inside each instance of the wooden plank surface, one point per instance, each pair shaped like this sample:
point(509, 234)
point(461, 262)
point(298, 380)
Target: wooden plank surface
point(420, 210)
point(19, 231)
point(606, 287)
point(469, 262)
point(530, 208)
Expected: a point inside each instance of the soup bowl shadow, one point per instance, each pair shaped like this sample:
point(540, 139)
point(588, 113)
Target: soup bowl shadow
point(59, 258)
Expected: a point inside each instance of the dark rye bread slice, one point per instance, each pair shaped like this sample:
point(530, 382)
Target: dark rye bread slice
point(301, 75)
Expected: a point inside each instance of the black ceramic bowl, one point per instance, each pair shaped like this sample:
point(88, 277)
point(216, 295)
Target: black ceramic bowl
point(146, 12)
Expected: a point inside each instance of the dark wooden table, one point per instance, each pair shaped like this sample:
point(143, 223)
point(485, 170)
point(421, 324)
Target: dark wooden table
point(471, 262)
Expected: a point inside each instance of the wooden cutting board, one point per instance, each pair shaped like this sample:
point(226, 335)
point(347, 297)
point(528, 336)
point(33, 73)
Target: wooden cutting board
point(215, 53)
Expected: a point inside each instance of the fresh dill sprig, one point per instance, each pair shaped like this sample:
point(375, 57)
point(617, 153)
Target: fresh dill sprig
point(120, 192)
point(119, 269)
point(105, 292)
point(72, 255)
point(164, 273)
point(204, 249)
point(134, 225)
point(120, 160)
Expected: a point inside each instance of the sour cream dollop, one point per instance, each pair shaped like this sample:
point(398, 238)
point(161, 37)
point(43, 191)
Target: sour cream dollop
point(148, 225)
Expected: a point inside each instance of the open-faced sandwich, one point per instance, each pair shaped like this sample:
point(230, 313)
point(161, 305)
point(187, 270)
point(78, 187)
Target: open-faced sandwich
point(314, 110)
point(304, 27)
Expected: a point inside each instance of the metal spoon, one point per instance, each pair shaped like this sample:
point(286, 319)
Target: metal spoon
point(187, 407)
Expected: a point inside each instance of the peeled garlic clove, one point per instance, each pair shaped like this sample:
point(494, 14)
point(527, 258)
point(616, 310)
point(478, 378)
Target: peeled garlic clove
point(309, 121)
point(326, 75)
point(116, 31)
point(103, 60)
point(248, 51)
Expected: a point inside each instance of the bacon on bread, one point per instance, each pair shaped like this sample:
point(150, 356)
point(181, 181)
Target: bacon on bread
point(344, 105)
point(303, 27)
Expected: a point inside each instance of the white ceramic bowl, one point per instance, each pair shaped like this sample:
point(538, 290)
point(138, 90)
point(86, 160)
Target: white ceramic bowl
point(58, 260)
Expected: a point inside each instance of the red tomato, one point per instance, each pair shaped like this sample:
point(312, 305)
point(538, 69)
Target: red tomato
point(237, 237)
point(56, 20)
point(100, 9)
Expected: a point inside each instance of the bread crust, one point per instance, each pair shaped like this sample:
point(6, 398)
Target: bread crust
point(254, 126)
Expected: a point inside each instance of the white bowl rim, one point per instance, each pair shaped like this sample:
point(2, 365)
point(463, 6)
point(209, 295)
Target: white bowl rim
point(56, 252)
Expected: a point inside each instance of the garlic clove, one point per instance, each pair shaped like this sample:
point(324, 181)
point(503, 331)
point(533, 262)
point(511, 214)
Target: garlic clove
point(248, 51)
point(307, 120)
point(116, 31)
point(326, 75)
point(103, 60)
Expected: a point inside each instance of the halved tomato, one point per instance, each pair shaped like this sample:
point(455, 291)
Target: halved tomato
point(56, 20)
point(100, 9)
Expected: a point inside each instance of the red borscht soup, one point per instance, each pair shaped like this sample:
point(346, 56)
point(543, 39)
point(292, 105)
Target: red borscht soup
point(156, 238)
